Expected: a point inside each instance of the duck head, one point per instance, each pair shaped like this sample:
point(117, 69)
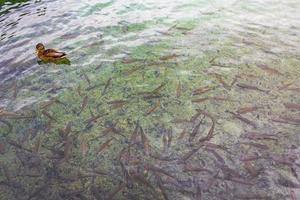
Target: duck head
point(40, 47)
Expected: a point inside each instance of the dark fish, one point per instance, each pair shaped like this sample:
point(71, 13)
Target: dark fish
point(156, 90)
point(83, 104)
point(37, 145)
point(251, 87)
point(140, 179)
point(190, 154)
point(257, 145)
point(160, 171)
point(161, 187)
point(9, 125)
point(130, 60)
point(114, 192)
point(268, 69)
point(87, 78)
point(211, 130)
point(287, 120)
point(106, 85)
point(182, 134)
point(211, 98)
point(44, 112)
point(178, 89)
point(287, 183)
point(201, 90)
point(4, 113)
point(168, 57)
point(190, 168)
point(91, 87)
point(260, 136)
point(145, 141)
point(105, 145)
point(152, 109)
point(292, 106)
point(170, 136)
point(17, 145)
point(195, 131)
point(243, 119)
point(67, 148)
point(2, 148)
point(244, 110)
point(223, 83)
point(118, 103)
point(285, 86)
point(250, 168)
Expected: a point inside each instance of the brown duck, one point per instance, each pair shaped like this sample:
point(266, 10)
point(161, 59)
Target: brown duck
point(48, 54)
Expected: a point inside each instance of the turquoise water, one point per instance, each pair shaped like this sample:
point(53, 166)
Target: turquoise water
point(161, 100)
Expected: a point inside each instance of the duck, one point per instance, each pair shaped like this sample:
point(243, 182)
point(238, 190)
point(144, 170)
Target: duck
point(49, 54)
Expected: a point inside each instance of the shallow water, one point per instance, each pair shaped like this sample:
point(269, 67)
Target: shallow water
point(162, 100)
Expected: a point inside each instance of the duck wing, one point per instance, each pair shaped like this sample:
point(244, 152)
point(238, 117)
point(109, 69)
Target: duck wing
point(53, 53)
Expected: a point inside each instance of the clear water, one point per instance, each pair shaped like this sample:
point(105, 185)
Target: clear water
point(165, 100)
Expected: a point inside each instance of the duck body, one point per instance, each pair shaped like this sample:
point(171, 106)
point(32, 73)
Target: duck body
point(48, 54)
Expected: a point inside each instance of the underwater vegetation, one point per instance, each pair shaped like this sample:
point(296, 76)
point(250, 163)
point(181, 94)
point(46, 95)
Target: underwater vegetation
point(174, 117)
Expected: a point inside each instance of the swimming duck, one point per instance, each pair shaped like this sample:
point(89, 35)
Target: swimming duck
point(48, 54)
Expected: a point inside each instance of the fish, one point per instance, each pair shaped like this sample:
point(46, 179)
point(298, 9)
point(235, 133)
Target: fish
point(257, 145)
point(91, 87)
point(44, 112)
point(106, 85)
point(87, 79)
point(130, 60)
point(211, 130)
point(287, 183)
point(83, 104)
point(165, 141)
point(4, 113)
point(37, 145)
point(285, 85)
point(201, 90)
point(211, 98)
point(114, 192)
point(161, 187)
point(118, 103)
point(9, 125)
point(152, 109)
point(243, 119)
point(250, 168)
point(178, 89)
point(67, 148)
point(156, 169)
point(145, 141)
point(156, 90)
point(195, 130)
point(260, 136)
point(245, 110)
point(2, 148)
point(182, 134)
point(17, 145)
point(292, 106)
point(189, 154)
point(84, 148)
point(251, 87)
point(268, 69)
point(287, 120)
point(190, 168)
point(105, 145)
point(78, 89)
point(170, 136)
point(168, 57)
point(223, 83)
point(140, 179)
